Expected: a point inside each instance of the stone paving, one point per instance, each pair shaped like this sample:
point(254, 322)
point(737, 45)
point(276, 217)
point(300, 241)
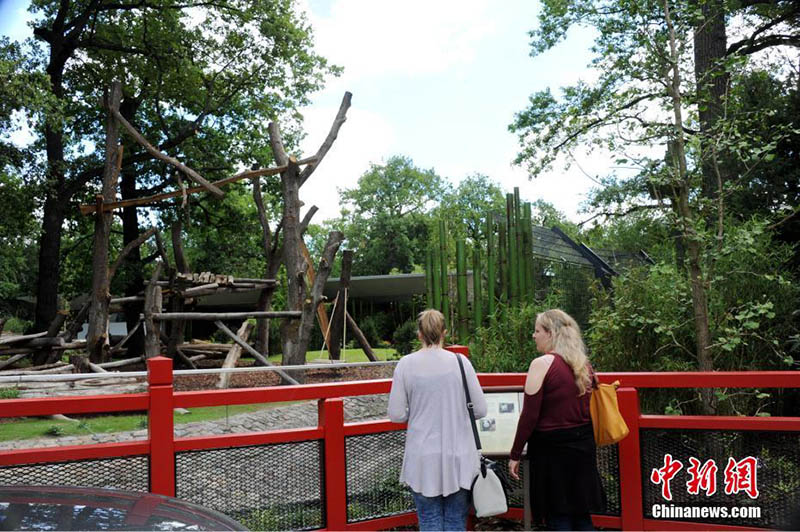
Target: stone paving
point(295, 415)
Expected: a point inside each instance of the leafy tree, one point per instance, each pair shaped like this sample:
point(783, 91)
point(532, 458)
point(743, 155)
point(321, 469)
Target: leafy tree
point(646, 55)
point(200, 80)
point(466, 206)
point(384, 216)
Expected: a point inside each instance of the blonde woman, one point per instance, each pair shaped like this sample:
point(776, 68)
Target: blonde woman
point(440, 459)
point(555, 422)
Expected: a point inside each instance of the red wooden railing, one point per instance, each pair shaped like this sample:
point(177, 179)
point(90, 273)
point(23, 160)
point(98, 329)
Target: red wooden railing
point(161, 445)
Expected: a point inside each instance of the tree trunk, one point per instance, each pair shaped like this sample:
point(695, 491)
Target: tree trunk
point(699, 296)
point(711, 78)
point(132, 263)
point(97, 341)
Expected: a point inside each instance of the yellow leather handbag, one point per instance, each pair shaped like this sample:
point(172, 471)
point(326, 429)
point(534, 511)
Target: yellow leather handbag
point(609, 425)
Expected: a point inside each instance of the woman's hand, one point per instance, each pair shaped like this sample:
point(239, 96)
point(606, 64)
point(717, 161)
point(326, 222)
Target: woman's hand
point(513, 469)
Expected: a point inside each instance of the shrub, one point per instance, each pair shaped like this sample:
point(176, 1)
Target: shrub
point(405, 339)
point(9, 393)
point(506, 344)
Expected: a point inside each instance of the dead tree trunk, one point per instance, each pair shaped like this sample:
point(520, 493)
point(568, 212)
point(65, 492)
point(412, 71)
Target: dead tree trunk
point(294, 336)
point(152, 305)
point(97, 335)
point(340, 307)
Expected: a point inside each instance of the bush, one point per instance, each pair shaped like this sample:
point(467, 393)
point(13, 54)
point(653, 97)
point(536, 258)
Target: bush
point(404, 339)
point(506, 345)
point(369, 326)
point(9, 393)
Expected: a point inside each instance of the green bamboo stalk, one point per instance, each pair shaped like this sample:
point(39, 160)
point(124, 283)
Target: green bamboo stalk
point(477, 296)
point(513, 264)
point(491, 258)
point(461, 290)
point(529, 251)
point(445, 280)
point(437, 279)
point(518, 226)
point(502, 257)
point(429, 278)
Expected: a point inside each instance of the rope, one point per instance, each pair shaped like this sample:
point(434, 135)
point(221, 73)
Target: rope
point(327, 332)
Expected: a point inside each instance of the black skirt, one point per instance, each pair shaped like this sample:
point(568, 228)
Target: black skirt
point(564, 477)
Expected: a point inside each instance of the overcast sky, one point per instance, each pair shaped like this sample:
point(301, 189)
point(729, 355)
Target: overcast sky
point(438, 81)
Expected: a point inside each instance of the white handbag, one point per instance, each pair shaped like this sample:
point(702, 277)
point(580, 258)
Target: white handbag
point(488, 490)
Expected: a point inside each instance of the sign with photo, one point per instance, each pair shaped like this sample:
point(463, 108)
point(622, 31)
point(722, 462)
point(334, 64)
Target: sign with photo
point(498, 428)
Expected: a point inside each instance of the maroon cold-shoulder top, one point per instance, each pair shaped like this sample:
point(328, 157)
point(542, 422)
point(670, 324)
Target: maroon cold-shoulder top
point(555, 406)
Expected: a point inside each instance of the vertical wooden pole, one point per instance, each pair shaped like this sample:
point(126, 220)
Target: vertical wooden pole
point(477, 297)
point(521, 279)
point(160, 429)
point(331, 420)
point(461, 289)
point(491, 265)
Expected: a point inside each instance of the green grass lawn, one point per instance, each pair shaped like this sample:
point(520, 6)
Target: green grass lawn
point(27, 428)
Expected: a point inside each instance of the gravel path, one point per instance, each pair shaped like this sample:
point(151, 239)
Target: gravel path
point(296, 415)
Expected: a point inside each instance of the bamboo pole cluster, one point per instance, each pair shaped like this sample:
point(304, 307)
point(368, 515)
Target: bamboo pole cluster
point(502, 262)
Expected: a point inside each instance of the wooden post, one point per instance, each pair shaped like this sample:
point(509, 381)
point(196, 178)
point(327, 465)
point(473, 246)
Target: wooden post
point(97, 333)
point(461, 290)
point(160, 427)
point(152, 305)
point(338, 317)
point(360, 338)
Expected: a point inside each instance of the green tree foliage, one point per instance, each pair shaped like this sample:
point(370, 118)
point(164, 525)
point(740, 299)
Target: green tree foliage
point(646, 322)
point(384, 216)
point(663, 79)
point(200, 81)
point(466, 206)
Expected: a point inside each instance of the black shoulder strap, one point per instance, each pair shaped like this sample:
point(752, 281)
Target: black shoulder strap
point(469, 402)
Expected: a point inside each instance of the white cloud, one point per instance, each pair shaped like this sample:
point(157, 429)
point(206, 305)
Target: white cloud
point(406, 38)
point(365, 137)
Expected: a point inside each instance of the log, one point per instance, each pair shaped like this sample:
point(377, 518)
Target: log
point(233, 354)
point(121, 363)
point(127, 337)
point(24, 338)
point(258, 356)
point(360, 338)
point(341, 117)
point(10, 361)
point(77, 323)
point(195, 290)
point(58, 321)
point(197, 178)
point(54, 341)
point(256, 281)
point(138, 202)
point(214, 316)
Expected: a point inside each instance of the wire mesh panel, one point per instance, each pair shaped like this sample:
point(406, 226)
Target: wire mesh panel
point(608, 467)
point(129, 473)
point(373, 472)
point(759, 470)
point(265, 487)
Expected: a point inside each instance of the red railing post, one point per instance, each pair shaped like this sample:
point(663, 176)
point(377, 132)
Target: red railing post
point(463, 349)
point(160, 426)
point(331, 420)
point(630, 462)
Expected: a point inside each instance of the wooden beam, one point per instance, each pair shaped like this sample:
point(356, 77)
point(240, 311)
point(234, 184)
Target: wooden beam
point(139, 202)
point(258, 356)
point(214, 316)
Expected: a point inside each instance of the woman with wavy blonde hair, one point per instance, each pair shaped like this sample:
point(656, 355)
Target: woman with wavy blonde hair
point(555, 422)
